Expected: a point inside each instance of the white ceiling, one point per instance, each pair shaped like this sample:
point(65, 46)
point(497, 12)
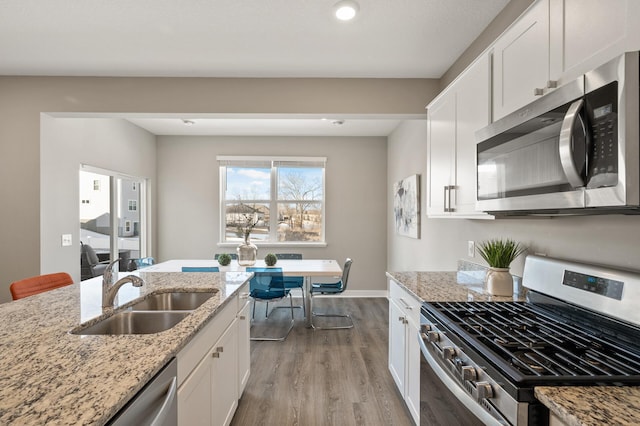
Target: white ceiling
point(239, 38)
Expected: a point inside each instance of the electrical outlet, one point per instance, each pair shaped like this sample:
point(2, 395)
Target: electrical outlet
point(471, 248)
point(66, 240)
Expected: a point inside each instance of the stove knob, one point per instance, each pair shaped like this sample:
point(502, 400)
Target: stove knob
point(484, 390)
point(425, 327)
point(448, 352)
point(469, 373)
point(433, 336)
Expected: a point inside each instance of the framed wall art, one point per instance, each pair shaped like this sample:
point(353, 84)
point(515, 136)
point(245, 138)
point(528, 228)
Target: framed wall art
point(406, 206)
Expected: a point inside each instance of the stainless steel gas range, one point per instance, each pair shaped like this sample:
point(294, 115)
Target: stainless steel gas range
point(580, 325)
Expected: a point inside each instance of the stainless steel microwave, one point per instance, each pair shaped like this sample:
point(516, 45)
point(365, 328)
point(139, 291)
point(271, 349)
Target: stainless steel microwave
point(575, 150)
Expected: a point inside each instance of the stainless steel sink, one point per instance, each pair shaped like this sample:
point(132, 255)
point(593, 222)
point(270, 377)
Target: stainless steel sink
point(173, 301)
point(135, 322)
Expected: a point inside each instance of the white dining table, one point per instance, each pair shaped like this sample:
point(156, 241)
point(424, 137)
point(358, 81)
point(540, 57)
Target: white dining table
point(307, 268)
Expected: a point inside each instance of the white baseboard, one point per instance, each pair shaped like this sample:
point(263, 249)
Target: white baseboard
point(357, 293)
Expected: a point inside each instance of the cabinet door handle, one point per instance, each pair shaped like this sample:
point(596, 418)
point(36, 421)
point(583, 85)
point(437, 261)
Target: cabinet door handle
point(552, 84)
point(406, 305)
point(215, 355)
point(220, 349)
point(538, 91)
point(242, 317)
point(449, 188)
point(444, 202)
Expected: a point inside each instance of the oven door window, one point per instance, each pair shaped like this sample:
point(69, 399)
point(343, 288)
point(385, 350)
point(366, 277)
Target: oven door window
point(525, 160)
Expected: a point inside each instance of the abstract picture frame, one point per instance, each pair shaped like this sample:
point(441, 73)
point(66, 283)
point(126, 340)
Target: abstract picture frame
point(406, 206)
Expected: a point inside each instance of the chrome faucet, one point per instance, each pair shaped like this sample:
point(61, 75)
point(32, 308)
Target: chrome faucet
point(109, 289)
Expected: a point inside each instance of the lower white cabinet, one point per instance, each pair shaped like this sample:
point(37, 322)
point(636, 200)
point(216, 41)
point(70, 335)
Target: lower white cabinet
point(213, 368)
point(244, 351)
point(404, 350)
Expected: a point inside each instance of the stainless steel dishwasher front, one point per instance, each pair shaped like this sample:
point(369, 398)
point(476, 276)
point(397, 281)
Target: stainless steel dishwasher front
point(156, 404)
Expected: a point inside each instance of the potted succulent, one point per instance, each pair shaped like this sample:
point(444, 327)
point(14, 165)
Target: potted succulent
point(224, 259)
point(499, 254)
point(270, 259)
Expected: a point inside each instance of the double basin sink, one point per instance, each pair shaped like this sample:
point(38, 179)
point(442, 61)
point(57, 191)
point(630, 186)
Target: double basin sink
point(157, 312)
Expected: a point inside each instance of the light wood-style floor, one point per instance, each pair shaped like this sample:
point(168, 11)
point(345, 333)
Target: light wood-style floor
point(324, 377)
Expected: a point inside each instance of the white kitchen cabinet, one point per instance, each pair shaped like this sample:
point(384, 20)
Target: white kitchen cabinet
point(521, 61)
point(553, 43)
point(452, 120)
point(195, 395)
point(585, 34)
point(213, 368)
point(244, 340)
point(224, 372)
point(404, 350)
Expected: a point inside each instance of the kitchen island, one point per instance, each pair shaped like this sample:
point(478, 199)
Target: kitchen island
point(50, 376)
point(568, 405)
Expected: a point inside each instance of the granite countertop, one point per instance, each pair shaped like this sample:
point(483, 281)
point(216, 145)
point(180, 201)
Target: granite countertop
point(447, 286)
point(49, 376)
point(574, 405)
point(592, 405)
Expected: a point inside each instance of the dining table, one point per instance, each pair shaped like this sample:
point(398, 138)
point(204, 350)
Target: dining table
point(308, 268)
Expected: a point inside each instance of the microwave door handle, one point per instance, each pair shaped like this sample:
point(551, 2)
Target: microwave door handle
point(565, 148)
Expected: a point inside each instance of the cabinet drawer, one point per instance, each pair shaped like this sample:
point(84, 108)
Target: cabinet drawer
point(197, 348)
point(407, 302)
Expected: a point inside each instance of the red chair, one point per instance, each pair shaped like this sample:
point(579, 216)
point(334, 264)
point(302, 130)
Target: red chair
point(39, 284)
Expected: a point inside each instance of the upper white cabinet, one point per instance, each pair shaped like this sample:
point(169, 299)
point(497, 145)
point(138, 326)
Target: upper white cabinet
point(585, 34)
point(452, 120)
point(521, 61)
point(552, 43)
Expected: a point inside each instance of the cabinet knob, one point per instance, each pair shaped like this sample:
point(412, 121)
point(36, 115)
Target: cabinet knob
point(552, 84)
point(433, 336)
point(242, 317)
point(215, 355)
point(220, 349)
point(538, 91)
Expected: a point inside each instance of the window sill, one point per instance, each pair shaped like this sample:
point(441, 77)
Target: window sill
point(283, 244)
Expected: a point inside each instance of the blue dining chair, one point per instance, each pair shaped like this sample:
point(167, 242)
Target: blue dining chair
point(267, 285)
point(332, 288)
point(200, 269)
point(293, 282)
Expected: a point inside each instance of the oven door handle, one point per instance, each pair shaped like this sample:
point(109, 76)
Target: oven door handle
point(462, 396)
point(565, 145)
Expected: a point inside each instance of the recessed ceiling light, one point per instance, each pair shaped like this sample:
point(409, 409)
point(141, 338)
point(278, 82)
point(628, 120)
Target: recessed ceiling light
point(346, 10)
point(188, 122)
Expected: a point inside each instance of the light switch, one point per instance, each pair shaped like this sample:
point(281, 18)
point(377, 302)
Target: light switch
point(66, 240)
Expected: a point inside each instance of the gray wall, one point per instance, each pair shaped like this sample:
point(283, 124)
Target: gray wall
point(356, 200)
point(612, 240)
point(23, 99)
point(66, 143)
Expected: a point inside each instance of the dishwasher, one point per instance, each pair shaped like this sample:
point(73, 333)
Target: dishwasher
point(156, 404)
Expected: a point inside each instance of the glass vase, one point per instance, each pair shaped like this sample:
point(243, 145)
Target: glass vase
point(247, 252)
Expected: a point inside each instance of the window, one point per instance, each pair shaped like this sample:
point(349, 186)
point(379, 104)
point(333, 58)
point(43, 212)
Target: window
point(127, 226)
point(133, 205)
point(96, 185)
point(283, 197)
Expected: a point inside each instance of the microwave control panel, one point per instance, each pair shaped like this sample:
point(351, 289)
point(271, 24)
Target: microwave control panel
point(602, 113)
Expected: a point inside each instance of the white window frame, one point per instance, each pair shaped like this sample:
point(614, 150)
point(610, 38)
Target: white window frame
point(239, 161)
point(132, 203)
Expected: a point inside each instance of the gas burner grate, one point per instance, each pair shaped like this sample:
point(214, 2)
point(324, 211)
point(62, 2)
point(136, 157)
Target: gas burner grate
point(535, 343)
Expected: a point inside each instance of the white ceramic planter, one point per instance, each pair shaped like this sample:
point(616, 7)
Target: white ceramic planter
point(499, 282)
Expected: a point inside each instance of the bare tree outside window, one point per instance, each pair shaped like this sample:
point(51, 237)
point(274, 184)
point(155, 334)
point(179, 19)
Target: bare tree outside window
point(300, 219)
point(286, 198)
